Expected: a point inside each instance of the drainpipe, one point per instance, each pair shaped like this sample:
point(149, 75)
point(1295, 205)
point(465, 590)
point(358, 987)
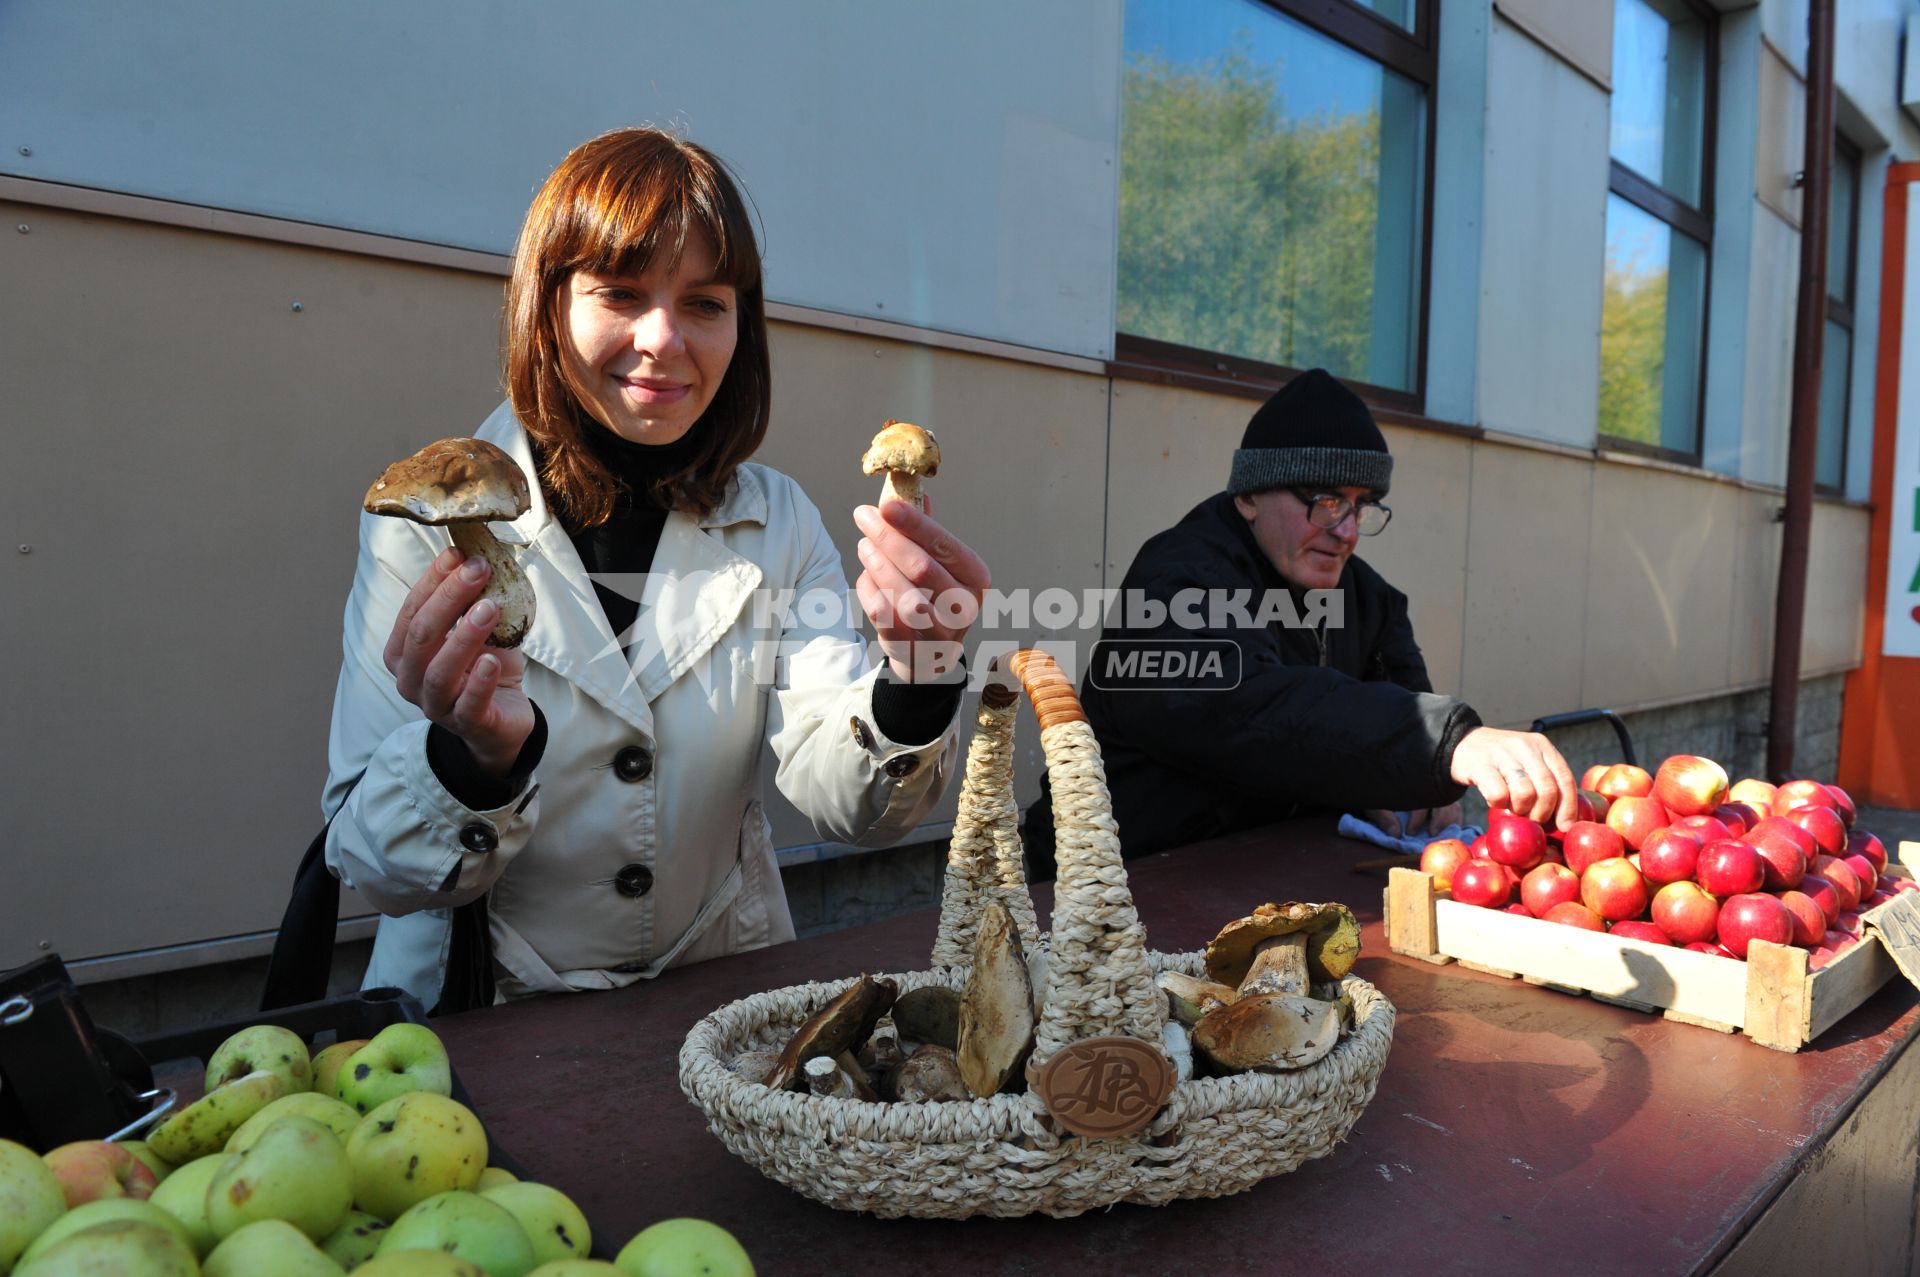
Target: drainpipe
point(1803, 435)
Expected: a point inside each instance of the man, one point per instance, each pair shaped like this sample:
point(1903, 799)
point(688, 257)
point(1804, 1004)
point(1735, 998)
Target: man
point(1234, 691)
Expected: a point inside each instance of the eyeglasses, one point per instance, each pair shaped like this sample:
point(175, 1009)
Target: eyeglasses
point(1329, 510)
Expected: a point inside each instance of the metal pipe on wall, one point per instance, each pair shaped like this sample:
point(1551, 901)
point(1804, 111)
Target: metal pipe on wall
point(1803, 435)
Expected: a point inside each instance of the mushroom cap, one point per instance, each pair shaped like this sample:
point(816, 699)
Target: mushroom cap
point(901, 445)
point(1230, 954)
point(452, 481)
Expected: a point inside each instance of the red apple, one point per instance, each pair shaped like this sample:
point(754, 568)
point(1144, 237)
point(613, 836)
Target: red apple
point(1546, 886)
point(1441, 857)
point(1752, 790)
point(1745, 815)
point(1778, 830)
point(1796, 794)
point(1670, 855)
point(1481, 882)
point(89, 1170)
point(1707, 828)
point(1571, 913)
point(1634, 818)
point(1590, 778)
point(1877, 899)
point(1517, 908)
point(1707, 946)
point(1586, 842)
point(1849, 923)
point(1730, 868)
point(1479, 848)
point(1689, 785)
point(1809, 922)
point(1633, 929)
point(1753, 916)
point(1823, 894)
point(1596, 804)
point(1862, 843)
point(1824, 824)
point(1863, 870)
point(1514, 840)
point(1624, 780)
point(1614, 889)
point(1844, 880)
point(1843, 803)
point(1685, 912)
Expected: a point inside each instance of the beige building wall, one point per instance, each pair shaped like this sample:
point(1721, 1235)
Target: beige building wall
point(192, 417)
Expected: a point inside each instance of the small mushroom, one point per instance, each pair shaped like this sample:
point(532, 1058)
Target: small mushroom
point(845, 1022)
point(1179, 1047)
point(929, 1074)
point(882, 1053)
point(1190, 997)
point(930, 1013)
point(1268, 1031)
point(825, 1076)
point(463, 484)
point(754, 1065)
point(905, 452)
point(996, 1011)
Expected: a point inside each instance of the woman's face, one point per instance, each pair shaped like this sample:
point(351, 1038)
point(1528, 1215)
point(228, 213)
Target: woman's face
point(646, 352)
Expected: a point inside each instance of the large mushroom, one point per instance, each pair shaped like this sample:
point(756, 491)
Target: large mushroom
point(462, 484)
point(1272, 958)
point(997, 1020)
point(905, 452)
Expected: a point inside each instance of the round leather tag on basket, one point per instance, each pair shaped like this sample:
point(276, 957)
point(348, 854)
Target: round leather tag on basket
point(1105, 1087)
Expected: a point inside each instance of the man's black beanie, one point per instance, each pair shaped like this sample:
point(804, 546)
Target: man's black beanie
point(1313, 433)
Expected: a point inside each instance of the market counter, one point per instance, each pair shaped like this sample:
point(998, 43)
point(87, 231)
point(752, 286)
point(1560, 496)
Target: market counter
point(1515, 1129)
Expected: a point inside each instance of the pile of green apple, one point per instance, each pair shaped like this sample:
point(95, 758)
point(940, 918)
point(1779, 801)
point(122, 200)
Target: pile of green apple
point(355, 1159)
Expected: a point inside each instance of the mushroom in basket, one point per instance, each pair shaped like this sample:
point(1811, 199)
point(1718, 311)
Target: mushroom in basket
point(1282, 964)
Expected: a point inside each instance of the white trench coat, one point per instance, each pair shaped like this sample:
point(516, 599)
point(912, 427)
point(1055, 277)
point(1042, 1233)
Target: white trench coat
point(639, 843)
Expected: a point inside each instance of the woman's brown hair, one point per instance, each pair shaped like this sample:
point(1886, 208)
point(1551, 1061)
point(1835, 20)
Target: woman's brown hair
point(610, 207)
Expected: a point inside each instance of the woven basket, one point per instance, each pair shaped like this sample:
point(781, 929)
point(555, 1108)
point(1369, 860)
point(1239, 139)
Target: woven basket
point(1005, 1155)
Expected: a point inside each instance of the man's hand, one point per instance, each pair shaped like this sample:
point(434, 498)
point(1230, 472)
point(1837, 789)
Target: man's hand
point(1520, 771)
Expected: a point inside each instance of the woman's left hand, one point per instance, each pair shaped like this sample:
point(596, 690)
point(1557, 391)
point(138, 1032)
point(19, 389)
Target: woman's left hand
point(920, 586)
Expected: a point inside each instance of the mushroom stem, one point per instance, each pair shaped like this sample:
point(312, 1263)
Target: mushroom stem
point(903, 485)
point(1279, 966)
point(507, 586)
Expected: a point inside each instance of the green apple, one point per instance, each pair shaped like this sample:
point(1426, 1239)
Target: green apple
point(269, 1248)
point(296, 1171)
point(419, 1263)
point(30, 1200)
point(494, 1177)
point(324, 1109)
point(399, 1059)
point(100, 1212)
point(120, 1248)
point(467, 1225)
point(552, 1222)
point(327, 1062)
point(264, 1048)
point(184, 1196)
point(89, 1170)
point(412, 1147)
point(576, 1268)
point(206, 1125)
point(680, 1247)
point(355, 1241)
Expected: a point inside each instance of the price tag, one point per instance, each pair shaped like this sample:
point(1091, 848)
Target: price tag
point(1897, 923)
point(1105, 1087)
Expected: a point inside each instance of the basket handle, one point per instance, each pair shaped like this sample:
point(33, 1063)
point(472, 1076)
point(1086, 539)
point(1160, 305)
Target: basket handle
point(985, 860)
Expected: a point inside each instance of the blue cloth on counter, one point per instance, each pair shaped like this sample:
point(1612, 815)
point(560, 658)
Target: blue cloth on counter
point(1352, 826)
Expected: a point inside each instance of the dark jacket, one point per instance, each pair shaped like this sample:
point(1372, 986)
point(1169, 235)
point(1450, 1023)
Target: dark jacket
point(1328, 718)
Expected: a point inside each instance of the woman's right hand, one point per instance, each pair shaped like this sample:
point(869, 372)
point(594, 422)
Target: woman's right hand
point(440, 661)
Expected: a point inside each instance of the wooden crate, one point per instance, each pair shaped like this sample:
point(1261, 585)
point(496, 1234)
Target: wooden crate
point(1772, 997)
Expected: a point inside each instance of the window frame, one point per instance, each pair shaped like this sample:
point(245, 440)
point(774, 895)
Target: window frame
point(1413, 54)
point(1694, 221)
point(1841, 311)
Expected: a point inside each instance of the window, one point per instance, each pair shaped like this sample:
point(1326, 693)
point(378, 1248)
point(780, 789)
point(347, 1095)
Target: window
point(1659, 226)
point(1274, 189)
point(1836, 360)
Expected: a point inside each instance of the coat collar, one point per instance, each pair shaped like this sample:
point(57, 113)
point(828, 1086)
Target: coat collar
point(696, 589)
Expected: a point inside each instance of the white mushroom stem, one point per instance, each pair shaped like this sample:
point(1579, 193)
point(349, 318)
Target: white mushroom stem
point(903, 485)
point(508, 586)
point(825, 1077)
point(1279, 966)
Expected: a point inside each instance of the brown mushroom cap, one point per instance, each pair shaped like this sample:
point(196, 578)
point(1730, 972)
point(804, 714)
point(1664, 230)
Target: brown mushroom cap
point(452, 481)
point(1230, 954)
point(843, 1023)
point(901, 445)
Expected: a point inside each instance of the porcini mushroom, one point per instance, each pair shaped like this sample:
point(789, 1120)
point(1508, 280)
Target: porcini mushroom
point(930, 1013)
point(1317, 942)
point(462, 484)
point(843, 1023)
point(996, 1011)
point(1190, 997)
point(1268, 1031)
point(929, 1074)
point(905, 452)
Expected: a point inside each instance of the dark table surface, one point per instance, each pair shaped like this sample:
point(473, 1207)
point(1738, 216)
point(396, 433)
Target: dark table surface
point(1515, 1129)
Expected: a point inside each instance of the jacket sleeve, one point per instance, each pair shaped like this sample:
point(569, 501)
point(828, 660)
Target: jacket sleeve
point(1290, 733)
point(397, 835)
point(835, 764)
point(1398, 650)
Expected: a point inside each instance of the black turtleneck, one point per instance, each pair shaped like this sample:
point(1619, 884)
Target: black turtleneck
point(911, 714)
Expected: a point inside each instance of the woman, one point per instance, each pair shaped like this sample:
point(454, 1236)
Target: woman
point(598, 784)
